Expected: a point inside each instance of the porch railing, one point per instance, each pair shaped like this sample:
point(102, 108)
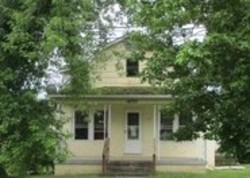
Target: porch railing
point(105, 155)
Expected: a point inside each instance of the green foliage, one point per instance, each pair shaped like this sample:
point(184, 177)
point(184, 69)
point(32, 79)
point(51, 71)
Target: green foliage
point(211, 78)
point(30, 135)
point(32, 32)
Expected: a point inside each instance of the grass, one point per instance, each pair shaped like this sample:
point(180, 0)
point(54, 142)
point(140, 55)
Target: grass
point(209, 174)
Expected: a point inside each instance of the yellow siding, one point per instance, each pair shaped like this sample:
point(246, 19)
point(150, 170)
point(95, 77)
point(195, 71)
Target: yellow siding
point(69, 169)
point(110, 70)
point(117, 131)
point(186, 149)
point(118, 127)
point(80, 148)
point(211, 148)
point(93, 148)
point(85, 148)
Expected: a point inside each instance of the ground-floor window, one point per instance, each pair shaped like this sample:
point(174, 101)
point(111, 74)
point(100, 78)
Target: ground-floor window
point(99, 125)
point(92, 125)
point(185, 118)
point(169, 123)
point(81, 125)
point(166, 126)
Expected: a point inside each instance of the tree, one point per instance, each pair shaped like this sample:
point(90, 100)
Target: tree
point(31, 33)
point(210, 76)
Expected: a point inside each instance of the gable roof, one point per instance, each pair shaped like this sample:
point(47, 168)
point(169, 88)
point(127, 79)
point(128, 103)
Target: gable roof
point(116, 41)
point(111, 44)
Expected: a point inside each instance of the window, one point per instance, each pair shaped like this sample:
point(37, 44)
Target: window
point(166, 126)
point(91, 126)
point(99, 125)
point(132, 68)
point(185, 118)
point(133, 126)
point(81, 125)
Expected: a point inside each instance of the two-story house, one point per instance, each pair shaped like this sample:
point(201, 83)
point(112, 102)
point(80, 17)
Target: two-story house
point(123, 123)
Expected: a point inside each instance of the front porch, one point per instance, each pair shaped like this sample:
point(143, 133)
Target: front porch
point(132, 132)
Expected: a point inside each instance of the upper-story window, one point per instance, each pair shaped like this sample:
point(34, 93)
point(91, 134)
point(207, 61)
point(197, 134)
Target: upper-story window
point(132, 68)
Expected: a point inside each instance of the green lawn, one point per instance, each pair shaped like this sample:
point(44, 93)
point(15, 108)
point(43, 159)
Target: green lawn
point(209, 174)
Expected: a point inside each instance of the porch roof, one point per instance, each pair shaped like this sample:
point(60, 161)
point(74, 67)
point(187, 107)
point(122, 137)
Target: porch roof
point(128, 97)
point(131, 90)
point(118, 93)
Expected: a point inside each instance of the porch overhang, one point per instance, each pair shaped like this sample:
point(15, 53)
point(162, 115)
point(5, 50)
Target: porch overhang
point(127, 97)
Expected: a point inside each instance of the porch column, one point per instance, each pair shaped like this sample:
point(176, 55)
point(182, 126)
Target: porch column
point(109, 120)
point(156, 132)
point(105, 120)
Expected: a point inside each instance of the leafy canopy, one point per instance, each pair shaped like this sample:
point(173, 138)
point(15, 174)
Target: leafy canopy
point(31, 33)
point(210, 76)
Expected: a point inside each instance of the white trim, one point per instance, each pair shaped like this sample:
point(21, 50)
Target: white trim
point(155, 140)
point(120, 96)
point(104, 120)
point(73, 124)
point(158, 131)
point(175, 122)
point(109, 120)
point(154, 122)
point(91, 124)
point(116, 41)
point(205, 149)
point(126, 130)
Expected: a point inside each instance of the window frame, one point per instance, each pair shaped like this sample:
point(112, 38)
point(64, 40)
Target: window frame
point(86, 127)
point(91, 126)
point(103, 125)
point(188, 118)
point(168, 128)
point(134, 65)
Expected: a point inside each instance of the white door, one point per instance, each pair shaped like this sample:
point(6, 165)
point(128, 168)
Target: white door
point(133, 133)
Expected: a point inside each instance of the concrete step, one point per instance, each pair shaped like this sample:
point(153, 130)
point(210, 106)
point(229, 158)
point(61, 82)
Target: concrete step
point(130, 168)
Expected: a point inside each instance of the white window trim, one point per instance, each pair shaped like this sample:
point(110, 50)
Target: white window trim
point(74, 129)
point(90, 124)
point(176, 125)
point(140, 122)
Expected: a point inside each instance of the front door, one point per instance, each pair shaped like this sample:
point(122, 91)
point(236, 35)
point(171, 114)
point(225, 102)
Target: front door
point(132, 133)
